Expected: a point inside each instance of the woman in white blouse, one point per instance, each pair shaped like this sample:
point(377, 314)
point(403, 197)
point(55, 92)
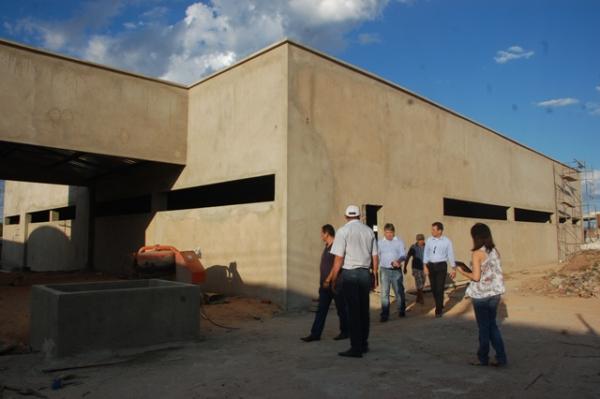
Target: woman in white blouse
point(485, 290)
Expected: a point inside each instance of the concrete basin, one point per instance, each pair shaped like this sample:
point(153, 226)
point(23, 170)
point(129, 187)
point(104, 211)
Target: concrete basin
point(67, 319)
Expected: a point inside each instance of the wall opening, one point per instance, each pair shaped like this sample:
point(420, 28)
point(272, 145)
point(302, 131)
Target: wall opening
point(562, 220)
point(476, 210)
point(66, 213)
point(370, 218)
point(40, 216)
point(124, 206)
point(529, 215)
point(11, 220)
point(243, 191)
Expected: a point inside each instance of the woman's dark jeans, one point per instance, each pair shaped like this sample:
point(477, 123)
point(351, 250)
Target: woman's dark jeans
point(485, 313)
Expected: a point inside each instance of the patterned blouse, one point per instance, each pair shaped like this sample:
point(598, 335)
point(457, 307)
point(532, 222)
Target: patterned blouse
point(491, 282)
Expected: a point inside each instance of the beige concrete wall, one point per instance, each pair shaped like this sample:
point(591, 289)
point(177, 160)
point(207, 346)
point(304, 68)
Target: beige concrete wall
point(52, 245)
point(354, 139)
point(52, 101)
point(237, 129)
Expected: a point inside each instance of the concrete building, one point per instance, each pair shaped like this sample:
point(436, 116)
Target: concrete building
point(248, 163)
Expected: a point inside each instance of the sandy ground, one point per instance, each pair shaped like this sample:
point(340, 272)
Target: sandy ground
point(553, 344)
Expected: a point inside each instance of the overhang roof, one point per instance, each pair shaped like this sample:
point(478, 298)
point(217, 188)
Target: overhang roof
point(24, 162)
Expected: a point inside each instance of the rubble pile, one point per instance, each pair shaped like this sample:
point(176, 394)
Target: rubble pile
point(585, 283)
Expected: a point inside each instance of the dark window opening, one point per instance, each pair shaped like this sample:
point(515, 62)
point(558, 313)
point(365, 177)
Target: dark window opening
point(562, 220)
point(40, 216)
point(528, 215)
point(124, 206)
point(244, 191)
point(575, 220)
point(477, 210)
point(10, 220)
point(371, 215)
point(66, 213)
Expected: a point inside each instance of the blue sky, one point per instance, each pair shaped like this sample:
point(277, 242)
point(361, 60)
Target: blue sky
point(528, 69)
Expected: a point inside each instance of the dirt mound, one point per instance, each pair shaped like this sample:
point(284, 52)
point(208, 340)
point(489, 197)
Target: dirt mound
point(581, 261)
point(580, 277)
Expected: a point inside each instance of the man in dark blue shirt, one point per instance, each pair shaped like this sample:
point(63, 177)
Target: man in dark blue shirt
point(326, 294)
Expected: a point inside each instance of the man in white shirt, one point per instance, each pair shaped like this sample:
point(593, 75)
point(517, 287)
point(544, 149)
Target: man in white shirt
point(355, 248)
point(391, 256)
point(437, 255)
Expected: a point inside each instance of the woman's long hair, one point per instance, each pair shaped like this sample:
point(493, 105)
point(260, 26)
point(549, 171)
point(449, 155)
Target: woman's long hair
point(482, 237)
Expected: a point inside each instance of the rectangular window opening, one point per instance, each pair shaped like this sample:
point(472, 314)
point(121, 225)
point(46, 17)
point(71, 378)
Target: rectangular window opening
point(243, 191)
point(529, 215)
point(562, 220)
point(476, 210)
point(124, 206)
point(40, 216)
point(66, 213)
point(575, 221)
point(11, 220)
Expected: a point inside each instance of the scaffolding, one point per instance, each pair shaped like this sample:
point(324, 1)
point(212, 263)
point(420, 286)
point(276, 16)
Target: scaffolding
point(590, 202)
point(574, 193)
point(568, 210)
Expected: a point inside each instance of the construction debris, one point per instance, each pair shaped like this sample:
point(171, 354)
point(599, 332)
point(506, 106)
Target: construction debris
point(579, 277)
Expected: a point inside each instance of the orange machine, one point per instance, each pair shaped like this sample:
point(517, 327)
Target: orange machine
point(187, 265)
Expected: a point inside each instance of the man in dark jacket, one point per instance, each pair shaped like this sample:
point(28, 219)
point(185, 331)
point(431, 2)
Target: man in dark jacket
point(326, 294)
point(416, 253)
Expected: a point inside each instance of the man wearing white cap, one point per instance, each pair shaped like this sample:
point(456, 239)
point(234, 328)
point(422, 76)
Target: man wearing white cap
point(355, 248)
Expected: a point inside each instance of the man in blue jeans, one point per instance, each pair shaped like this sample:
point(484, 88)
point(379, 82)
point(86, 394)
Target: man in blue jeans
point(355, 248)
point(326, 294)
point(391, 256)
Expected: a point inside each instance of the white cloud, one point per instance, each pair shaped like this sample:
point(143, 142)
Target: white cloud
point(512, 53)
point(369, 38)
point(211, 35)
point(593, 108)
point(558, 102)
point(597, 88)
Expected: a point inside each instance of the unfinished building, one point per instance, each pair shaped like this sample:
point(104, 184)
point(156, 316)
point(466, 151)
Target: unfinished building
point(248, 163)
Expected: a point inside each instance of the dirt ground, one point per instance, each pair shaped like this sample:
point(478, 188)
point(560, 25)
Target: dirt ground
point(553, 345)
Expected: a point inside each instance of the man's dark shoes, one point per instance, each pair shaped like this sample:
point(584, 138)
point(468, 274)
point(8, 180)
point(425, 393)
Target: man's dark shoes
point(477, 363)
point(438, 314)
point(383, 319)
point(340, 337)
point(351, 353)
point(310, 338)
point(495, 363)
point(401, 314)
point(365, 349)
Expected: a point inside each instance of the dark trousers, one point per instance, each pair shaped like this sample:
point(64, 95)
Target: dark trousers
point(485, 313)
point(437, 280)
point(326, 295)
point(356, 287)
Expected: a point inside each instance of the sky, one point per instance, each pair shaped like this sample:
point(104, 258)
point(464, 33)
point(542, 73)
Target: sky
point(527, 69)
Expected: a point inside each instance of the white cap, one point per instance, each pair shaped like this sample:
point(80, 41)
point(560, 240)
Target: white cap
point(352, 211)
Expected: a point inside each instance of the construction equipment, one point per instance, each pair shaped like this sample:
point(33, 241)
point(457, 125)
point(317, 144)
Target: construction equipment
point(166, 259)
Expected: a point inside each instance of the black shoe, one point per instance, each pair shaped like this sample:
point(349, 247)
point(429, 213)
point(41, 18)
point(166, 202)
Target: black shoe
point(350, 353)
point(365, 349)
point(310, 338)
point(402, 314)
point(477, 363)
point(495, 363)
point(340, 336)
point(438, 315)
point(383, 319)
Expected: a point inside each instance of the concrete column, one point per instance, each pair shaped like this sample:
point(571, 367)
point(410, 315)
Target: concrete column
point(91, 227)
point(510, 214)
